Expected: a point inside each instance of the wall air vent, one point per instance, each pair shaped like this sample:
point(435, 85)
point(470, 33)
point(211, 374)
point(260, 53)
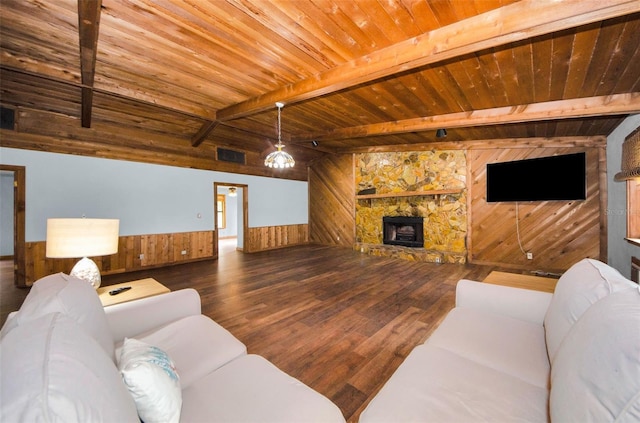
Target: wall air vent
point(7, 118)
point(231, 156)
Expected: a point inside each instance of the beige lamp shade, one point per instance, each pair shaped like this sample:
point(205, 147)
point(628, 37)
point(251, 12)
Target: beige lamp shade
point(75, 238)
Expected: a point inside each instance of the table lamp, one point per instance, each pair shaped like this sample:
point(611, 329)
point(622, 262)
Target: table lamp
point(75, 238)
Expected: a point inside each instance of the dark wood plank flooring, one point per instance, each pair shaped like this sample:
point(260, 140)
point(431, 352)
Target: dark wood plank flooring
point(338, 320)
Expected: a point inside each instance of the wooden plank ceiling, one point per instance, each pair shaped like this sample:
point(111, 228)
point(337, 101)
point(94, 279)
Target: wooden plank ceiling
point(150, 79)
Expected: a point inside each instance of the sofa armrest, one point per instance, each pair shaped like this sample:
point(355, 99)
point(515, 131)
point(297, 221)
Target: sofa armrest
point(135, 317)
point(522, 304)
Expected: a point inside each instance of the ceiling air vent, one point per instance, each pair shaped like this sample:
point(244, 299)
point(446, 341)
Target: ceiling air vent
point(232, 156)
point(7, 117)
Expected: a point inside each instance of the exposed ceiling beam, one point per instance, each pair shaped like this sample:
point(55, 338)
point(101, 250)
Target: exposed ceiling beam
point(204, 132)
point(551, 110)
point(88, 28)
point(508, 24)
point(533, 142)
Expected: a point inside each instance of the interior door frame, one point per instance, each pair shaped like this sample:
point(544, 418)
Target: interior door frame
point(19, 210)
point(245, 212)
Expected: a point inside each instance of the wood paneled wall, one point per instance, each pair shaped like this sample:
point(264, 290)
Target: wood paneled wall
point(558, 233)
point(122, 141)
point(332, 201)
point(135, 252)
point(271, 237)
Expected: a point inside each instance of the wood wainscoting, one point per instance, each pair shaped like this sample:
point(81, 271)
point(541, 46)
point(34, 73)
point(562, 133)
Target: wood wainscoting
point(272, 237)
point(135, 252)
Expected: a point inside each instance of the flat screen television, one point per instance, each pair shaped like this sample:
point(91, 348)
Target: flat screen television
point(553, 178)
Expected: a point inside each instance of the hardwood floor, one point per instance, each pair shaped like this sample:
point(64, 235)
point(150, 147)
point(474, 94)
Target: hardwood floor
point(11, 297)
point(339, 321)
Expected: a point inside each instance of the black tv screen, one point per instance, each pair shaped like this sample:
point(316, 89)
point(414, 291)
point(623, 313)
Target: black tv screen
point(551, 178)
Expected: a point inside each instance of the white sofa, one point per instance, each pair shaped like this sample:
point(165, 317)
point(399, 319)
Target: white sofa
point(61, 360)
point(513, 355)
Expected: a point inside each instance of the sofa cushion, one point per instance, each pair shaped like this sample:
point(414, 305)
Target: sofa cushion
point(251, 389)
point(215, 346)
point(500, 342)
point(579, 287)
point(151, 377)
point(51, 370)
point(436, 385)
point(73, 297)
point(596, 373)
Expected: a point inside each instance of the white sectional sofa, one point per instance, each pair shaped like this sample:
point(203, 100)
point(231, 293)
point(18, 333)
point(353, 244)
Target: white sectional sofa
point(513, 355)
point(64, 358)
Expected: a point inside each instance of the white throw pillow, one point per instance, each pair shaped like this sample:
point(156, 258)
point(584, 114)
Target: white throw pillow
point(579, 287)
point(151, 377)
point(596, 374)
point(52, 371)
point(75, 298)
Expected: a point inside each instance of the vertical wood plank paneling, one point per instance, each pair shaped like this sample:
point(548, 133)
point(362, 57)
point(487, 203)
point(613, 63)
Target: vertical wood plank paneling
point(332, 201)
point(158, 250)
point(558, 233)
point(273, 237)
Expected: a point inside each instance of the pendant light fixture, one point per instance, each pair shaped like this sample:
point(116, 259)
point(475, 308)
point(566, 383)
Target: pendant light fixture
point(279, 159)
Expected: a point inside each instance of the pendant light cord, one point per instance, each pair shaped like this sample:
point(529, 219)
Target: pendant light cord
point(279, 105)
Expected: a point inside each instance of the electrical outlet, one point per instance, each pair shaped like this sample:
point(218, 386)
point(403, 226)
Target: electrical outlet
point(141, 257)
point(529, 256)
point(183, 252)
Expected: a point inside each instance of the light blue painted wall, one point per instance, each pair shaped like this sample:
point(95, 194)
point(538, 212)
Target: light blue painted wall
point(620, 251)
point(146, 198)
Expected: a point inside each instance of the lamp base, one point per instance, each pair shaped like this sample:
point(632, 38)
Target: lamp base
point(86, 269)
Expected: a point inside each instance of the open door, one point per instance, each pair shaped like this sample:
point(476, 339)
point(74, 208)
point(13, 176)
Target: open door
point(240, 212)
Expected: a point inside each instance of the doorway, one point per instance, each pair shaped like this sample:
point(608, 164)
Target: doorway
point(231, 216)
point(14, 194)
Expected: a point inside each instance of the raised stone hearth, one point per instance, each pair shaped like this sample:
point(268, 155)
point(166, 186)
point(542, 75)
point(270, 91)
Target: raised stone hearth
point(410, 254)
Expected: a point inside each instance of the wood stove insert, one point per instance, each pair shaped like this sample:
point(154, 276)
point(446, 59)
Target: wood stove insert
point(403, 230)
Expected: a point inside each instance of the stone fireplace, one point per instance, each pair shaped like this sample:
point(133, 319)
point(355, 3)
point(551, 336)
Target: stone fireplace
point(403, 230)
point(428, 185)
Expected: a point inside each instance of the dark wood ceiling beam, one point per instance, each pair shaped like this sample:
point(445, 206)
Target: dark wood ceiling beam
point(516, 22)
point(617, 104)
point(88, 28)
point(511, 143)
point(203, 132)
